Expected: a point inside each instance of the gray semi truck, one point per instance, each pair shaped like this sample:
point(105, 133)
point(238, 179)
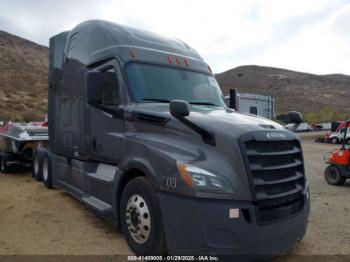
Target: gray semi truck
point(140, 133)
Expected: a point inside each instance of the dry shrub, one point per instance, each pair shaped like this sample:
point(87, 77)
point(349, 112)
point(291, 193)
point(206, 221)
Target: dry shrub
point(5, 115)
point(31, 115)
point(18, 107)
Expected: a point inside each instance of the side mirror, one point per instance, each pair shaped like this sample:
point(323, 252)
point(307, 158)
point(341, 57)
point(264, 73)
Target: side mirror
point(233, 99)
point(295, 117)
point(179, 108)
point(93, 87)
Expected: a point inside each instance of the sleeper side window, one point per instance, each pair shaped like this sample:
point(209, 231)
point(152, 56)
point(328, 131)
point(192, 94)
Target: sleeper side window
point(110, 88)
point(253, 110)
point(71, 47)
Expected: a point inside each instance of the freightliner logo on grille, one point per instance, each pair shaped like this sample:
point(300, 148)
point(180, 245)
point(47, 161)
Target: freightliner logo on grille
point(275, 136)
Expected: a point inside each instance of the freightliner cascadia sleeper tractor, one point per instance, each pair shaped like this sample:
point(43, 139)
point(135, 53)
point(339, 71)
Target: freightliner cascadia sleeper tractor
point(140, 133)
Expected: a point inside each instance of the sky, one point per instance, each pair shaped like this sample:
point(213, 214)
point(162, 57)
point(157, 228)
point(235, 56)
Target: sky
point(308, 35)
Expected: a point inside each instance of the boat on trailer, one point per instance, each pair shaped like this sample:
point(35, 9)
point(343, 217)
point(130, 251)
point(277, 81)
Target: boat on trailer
point(18, 143)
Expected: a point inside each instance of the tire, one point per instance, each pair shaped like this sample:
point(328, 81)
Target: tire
point(347, 141)
point(333, 176)
point(139, 203)
point(46, 170)
point(37, 172)
point(4, 168)
point(334, 141)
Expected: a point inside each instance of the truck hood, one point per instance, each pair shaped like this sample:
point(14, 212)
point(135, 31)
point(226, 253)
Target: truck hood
point(218, 153)
point(216, 119)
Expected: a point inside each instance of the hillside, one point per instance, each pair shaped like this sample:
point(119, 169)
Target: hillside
point(23, 78)
point(24, 67)
point(292, 90)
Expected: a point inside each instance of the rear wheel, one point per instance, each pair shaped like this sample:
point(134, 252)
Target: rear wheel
point(348, 141)
point(46, 170)
point(333, 176)
point(141, 218)
point(4, 168)
point(37, 171)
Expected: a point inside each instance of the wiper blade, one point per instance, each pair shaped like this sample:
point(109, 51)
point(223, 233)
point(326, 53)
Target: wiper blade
point(203, 103)
point(156, 100)
point(168, 101)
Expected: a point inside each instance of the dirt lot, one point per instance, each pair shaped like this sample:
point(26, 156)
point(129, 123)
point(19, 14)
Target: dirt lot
point(35, 220)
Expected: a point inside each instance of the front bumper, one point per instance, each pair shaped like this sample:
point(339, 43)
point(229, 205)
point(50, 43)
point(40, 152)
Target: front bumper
point(203, 227)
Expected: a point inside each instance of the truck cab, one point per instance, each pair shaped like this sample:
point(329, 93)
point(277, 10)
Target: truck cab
point(140, 133)
point(337, 137)
point(302, 127)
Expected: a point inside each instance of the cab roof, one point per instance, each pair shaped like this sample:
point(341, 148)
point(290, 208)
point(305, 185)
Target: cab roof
point(92, 40)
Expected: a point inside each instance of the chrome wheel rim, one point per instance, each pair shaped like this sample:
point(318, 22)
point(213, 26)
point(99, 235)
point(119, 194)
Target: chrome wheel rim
point(138, 218)
point(45, 170)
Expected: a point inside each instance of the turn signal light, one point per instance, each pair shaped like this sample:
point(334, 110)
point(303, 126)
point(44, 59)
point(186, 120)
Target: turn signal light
point(184, 174)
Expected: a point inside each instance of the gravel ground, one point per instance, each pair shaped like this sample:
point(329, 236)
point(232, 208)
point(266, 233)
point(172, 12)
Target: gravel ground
point(35, 220)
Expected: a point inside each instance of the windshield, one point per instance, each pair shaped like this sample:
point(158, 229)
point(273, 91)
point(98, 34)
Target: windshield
point(153, 83)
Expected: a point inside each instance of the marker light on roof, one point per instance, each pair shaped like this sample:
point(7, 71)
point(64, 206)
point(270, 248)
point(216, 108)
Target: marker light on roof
point(178, 61)
point(133, 53)
point(170, 59)
point(210, 69)
point(187, 63)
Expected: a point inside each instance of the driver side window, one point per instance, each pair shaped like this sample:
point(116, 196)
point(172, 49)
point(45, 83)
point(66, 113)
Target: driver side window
point(110, 88)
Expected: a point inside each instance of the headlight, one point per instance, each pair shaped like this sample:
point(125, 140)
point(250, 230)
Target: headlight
point(203, 180)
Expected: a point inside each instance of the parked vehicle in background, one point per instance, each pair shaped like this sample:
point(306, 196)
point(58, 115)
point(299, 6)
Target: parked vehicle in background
point(140, 133)
point(321, 126)
point(338, 166)
point(335, 125)
point(325, 126)
point(303, 127)
point(338, 136)
point(18, 143)
point(254, 104)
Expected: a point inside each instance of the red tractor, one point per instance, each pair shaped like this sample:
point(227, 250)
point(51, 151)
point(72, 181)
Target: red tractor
point(338, 169)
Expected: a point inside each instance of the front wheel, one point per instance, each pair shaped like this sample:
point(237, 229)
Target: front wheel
point(141, 218)
point(333, 176)
point(334, 141)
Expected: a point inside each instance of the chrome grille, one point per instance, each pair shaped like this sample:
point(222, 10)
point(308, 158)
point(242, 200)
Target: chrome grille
point(277, 175)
